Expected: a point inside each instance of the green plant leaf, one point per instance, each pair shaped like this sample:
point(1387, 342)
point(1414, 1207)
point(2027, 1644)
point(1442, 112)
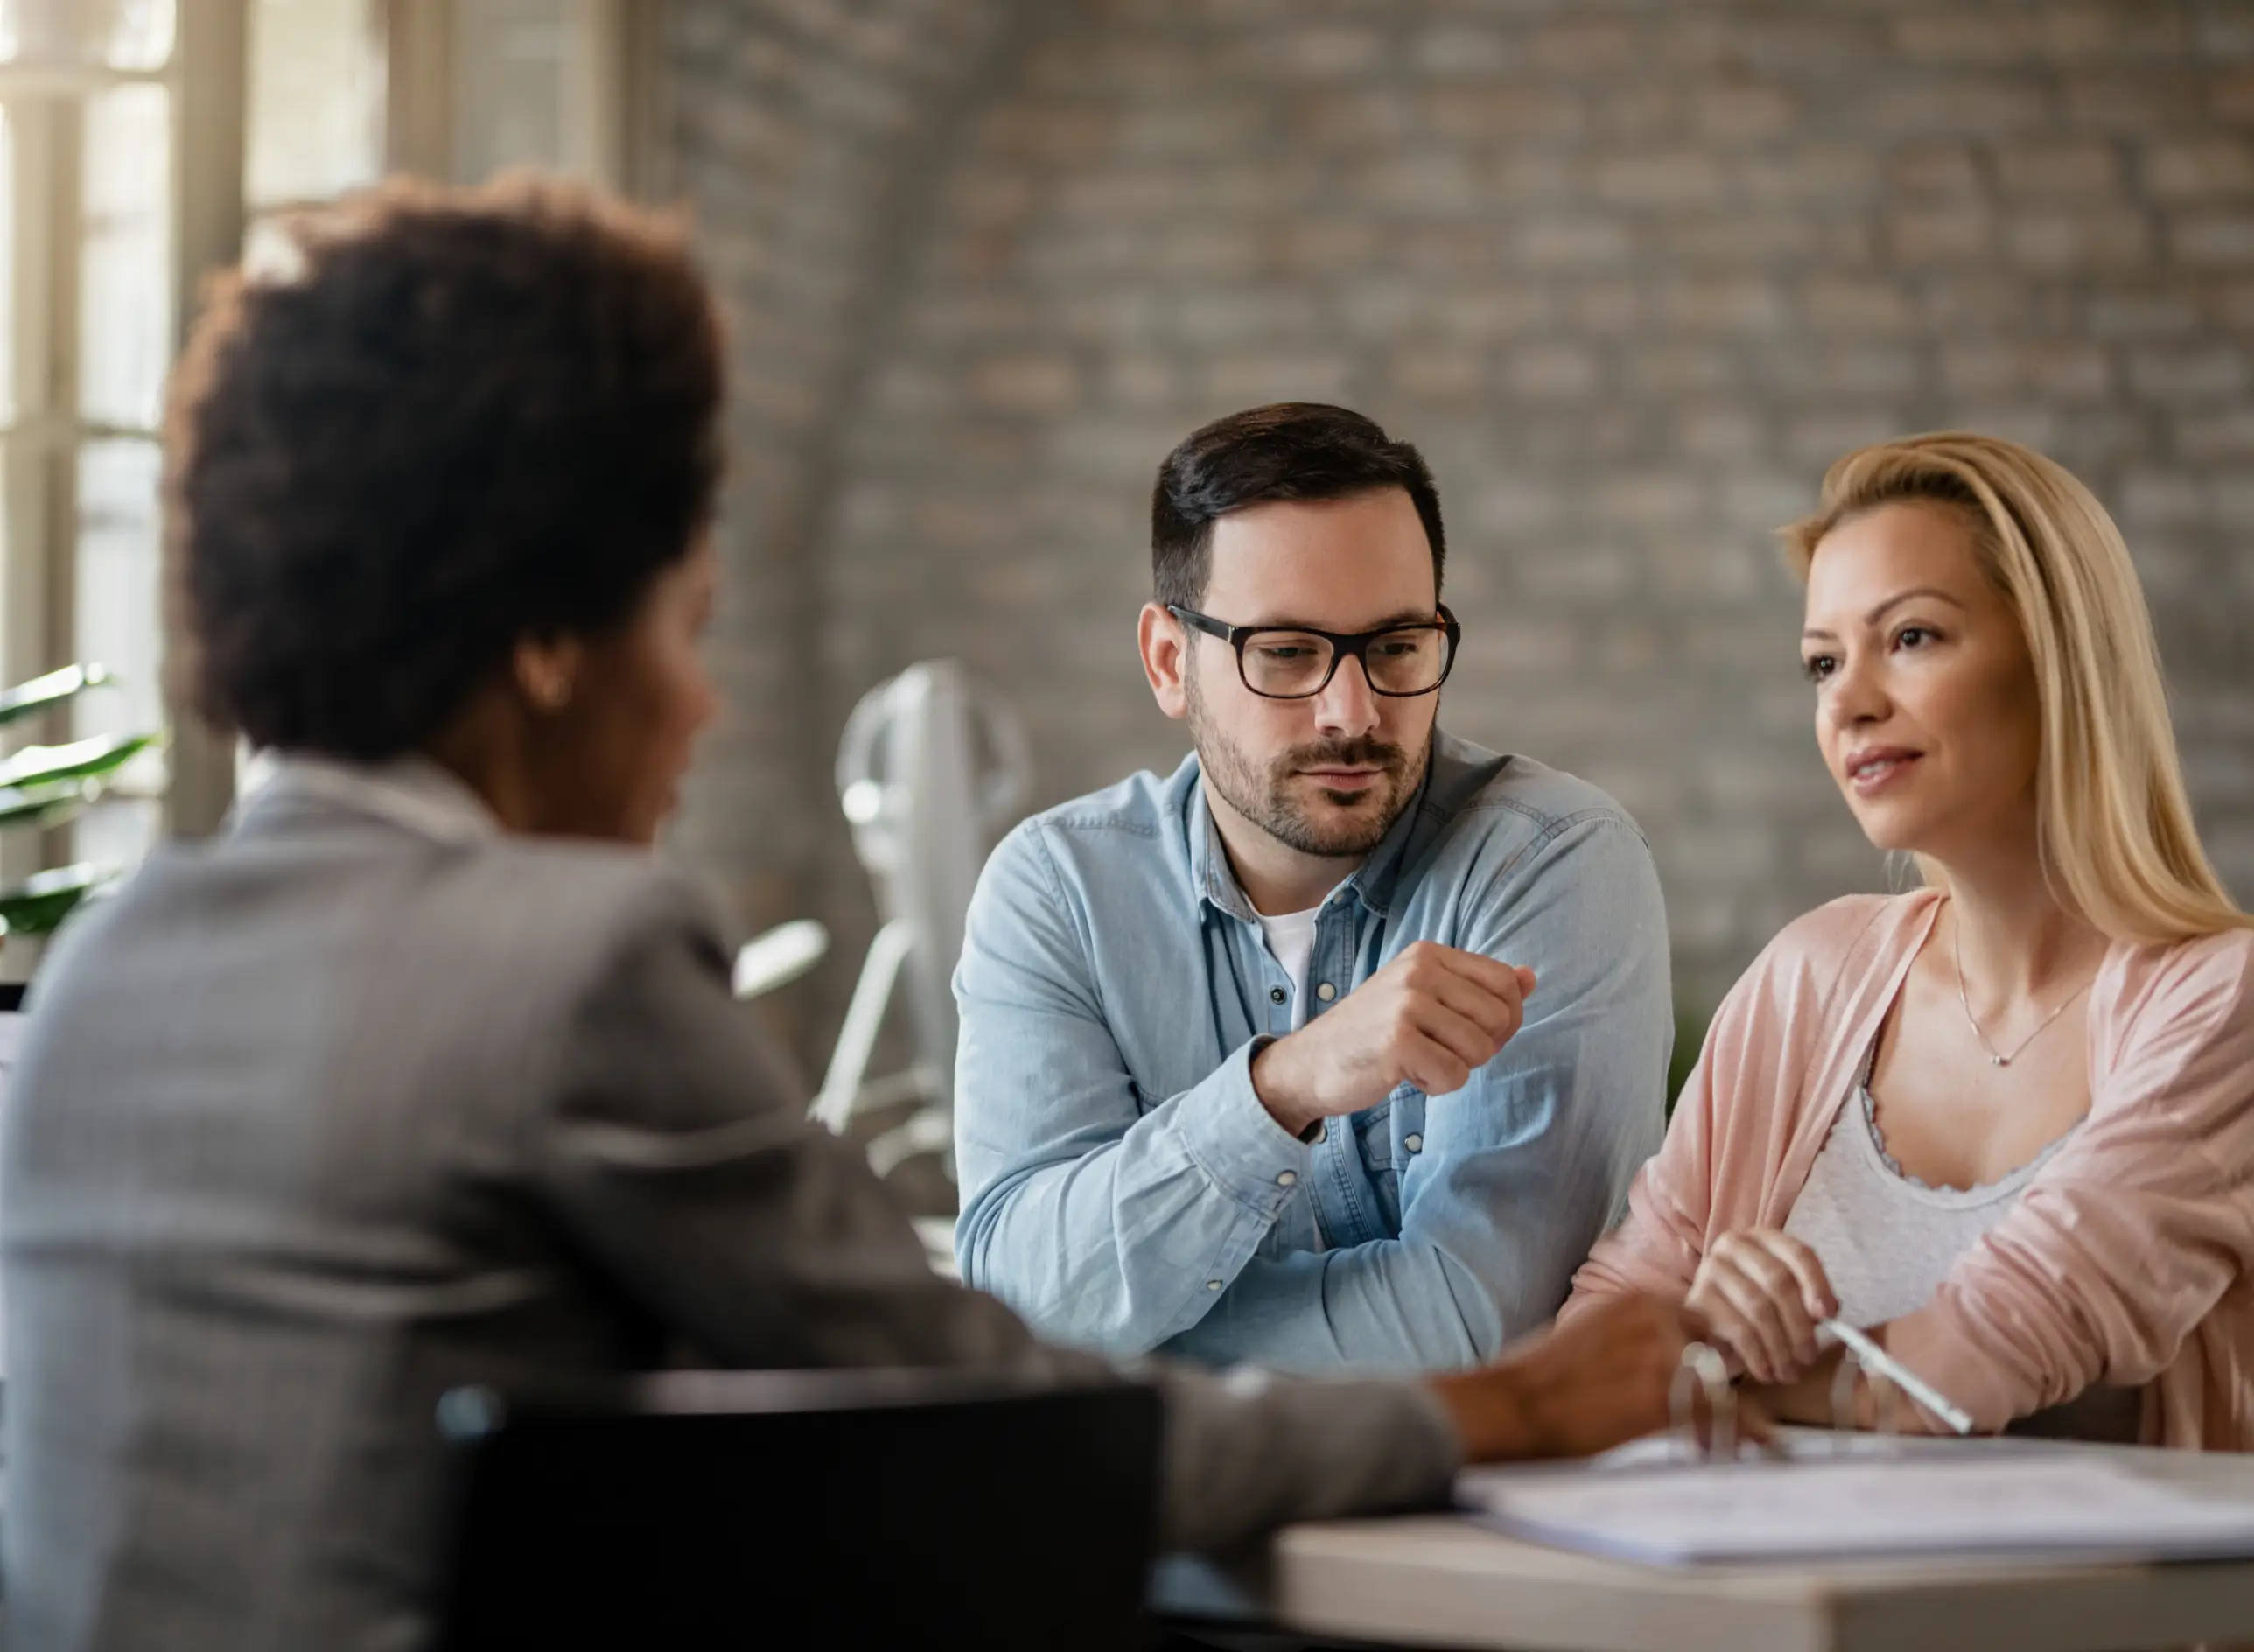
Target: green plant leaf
point(28, 699)
point(48, 805)
point(1690, 1022)
point(38, 764)
point(38, 905)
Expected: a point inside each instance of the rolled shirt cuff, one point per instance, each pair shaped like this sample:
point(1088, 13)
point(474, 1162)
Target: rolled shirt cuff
point(1237, 1142)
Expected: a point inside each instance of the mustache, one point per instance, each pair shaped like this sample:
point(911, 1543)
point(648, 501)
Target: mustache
point(1364, 753)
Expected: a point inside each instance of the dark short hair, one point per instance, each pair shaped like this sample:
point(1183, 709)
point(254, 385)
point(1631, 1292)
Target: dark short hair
point(450, 419)
point(1289, 450)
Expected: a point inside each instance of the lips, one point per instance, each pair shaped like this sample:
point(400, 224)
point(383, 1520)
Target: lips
point(1342, 766)
point(1342, 780)
point(1875, 769)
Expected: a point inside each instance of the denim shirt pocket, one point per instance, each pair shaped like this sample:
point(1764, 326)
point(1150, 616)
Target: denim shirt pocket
point(1373, 1139)
point(1374, 1135)
point(1385, 1132)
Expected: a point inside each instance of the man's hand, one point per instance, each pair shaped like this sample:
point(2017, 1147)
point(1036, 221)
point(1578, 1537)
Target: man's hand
point(1763, 1291)
point(1432, 1017)
point(1584, 1387)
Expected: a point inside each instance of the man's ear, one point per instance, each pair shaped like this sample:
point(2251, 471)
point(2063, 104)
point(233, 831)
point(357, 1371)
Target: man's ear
point(1165, 645)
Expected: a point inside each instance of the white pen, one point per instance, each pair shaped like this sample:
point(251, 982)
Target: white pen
point(1874, 1358)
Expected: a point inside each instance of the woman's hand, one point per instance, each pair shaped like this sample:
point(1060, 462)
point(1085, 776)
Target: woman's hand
point(1762, 1292)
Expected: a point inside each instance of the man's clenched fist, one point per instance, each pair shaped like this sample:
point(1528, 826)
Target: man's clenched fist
point(1430, 1017)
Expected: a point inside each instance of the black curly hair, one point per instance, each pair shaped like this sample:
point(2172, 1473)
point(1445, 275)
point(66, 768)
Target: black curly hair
point(456, 418)
point(1287, 450)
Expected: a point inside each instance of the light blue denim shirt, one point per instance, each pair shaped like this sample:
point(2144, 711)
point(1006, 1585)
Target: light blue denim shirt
point(1124, 1187)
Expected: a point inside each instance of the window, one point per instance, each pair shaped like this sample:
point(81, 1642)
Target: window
point(315, 123)
point(140, 141)
point(90, 231)
point(479, 86)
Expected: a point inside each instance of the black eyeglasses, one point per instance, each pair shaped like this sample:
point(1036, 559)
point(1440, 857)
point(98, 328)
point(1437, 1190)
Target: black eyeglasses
point(1296, 663)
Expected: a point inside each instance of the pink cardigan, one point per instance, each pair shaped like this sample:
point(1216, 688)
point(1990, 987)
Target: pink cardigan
point(2129, 1257)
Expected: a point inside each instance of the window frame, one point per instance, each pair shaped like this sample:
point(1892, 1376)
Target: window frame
point(621, 87)
point(204, 81)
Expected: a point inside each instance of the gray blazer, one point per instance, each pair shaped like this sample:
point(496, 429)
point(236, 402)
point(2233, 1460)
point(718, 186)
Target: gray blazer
point(365, 1100)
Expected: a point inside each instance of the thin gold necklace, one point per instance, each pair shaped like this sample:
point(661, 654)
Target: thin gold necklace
point(1996, 1057)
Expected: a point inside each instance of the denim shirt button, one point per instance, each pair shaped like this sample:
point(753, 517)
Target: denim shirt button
point(1213, 1285)
point(1414, 1143)
point(1275, 995)
point(1327, 992)
point(1286, 1178)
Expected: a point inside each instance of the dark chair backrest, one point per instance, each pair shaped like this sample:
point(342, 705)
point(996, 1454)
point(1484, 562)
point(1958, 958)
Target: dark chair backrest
point(892, 1509)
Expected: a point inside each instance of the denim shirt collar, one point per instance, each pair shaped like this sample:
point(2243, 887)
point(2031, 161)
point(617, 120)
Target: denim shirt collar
point(1372, 882)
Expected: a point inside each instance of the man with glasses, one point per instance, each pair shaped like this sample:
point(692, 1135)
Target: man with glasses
point(1339, 1046)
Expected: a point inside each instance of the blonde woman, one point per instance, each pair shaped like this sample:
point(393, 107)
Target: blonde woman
point(2007, 1120)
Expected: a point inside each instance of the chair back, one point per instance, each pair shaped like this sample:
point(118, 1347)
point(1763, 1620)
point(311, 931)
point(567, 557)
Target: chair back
point(894, 1509)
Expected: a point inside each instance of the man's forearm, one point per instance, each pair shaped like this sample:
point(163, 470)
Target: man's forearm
point(1129, 1243)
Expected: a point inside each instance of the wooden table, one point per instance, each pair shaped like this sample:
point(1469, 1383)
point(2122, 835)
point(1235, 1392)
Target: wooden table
point(1446, 1581)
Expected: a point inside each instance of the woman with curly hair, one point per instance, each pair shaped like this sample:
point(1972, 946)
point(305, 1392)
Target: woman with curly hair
point(426, 1072)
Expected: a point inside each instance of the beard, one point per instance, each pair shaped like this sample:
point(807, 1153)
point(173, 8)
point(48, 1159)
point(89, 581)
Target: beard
point(1274, 794)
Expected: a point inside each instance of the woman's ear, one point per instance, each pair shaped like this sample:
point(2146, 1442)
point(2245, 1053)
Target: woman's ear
point(546, 671)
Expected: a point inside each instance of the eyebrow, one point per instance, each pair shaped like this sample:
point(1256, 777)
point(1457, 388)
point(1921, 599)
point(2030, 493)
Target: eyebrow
point(1895, 601)
point(1405, 617)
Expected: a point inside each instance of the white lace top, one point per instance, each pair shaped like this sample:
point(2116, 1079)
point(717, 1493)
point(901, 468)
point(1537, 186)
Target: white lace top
point(1887, 1239)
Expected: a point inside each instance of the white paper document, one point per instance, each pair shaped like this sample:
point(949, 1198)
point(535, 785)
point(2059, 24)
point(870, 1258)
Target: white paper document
point(2081, 1508)
point(1660, 1451)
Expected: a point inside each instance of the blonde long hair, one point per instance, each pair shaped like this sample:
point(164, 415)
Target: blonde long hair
point(2113, 825)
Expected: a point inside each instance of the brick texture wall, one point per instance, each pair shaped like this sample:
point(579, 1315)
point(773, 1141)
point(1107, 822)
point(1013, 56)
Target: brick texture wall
point(804, 132)
point(1631, 274)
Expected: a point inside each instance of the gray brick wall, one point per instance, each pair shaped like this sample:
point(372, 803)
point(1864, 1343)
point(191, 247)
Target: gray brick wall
point(1630, 274)
point(800, 130)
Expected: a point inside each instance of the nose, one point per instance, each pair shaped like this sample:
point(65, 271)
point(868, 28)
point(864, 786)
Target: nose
point(1854, 696)
point(1347, 706)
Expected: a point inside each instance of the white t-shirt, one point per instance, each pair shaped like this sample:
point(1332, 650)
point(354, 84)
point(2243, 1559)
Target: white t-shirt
point(1291, 938)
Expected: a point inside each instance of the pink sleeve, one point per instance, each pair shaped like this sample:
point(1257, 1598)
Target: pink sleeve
point(2134, 1232)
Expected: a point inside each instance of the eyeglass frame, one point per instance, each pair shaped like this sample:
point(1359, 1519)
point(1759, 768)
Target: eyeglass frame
point(1342, 644)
